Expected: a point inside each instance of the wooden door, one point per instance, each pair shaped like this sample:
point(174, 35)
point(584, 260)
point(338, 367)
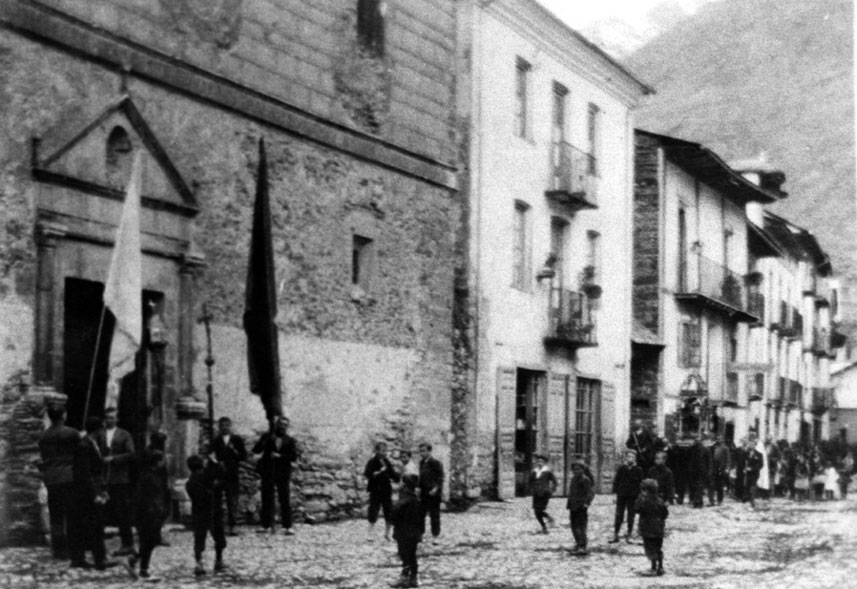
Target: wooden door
point(506, 381)
point(556, 427)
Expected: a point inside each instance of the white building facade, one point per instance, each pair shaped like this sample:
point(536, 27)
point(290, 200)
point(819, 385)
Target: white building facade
point(550, 223)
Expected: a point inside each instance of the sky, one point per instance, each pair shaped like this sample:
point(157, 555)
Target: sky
point(581, 13)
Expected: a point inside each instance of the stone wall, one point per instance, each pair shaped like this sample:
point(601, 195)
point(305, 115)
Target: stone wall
point(306, 54)
point(359, 364)
point(646, 233)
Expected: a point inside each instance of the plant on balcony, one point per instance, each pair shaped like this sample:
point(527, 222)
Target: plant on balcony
point(754, 278)
point(732, 291)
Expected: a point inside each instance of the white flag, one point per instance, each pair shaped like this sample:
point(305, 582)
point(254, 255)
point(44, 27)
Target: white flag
point(123, 291)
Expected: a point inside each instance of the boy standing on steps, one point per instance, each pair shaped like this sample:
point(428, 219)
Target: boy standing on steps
point(542, 486)
point(626, 487)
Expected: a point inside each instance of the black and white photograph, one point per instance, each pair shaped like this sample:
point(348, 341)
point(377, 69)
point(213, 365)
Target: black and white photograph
point(454, 294)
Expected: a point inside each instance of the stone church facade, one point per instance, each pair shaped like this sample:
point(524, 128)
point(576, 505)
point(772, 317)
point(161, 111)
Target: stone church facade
point(357, 107)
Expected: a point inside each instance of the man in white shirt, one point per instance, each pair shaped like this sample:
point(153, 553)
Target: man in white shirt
point(117, 447)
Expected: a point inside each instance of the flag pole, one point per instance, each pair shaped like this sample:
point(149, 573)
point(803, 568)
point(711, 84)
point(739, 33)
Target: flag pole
point(94, 362)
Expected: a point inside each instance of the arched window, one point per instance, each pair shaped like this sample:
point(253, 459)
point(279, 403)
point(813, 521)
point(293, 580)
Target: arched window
point(118, 156)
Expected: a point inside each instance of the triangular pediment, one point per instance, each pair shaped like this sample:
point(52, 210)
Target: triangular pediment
point(95, 157)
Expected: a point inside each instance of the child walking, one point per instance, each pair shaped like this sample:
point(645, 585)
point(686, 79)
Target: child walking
point(580, 496)
point(408, 527)
point(151, 509)
point(542, 485)
point(203, 487)
point(652, 512)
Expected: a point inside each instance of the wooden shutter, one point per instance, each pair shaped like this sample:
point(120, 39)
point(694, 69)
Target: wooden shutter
point(556, 410)
point(606, 448)
point(506, 384)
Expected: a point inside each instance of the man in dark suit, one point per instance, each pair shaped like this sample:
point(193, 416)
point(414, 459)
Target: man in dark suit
point(117, 448)
point(278, 452)
point(57, 446)
point(86, 522)
point(431, 488)
point(642, 442)
point(230, 452)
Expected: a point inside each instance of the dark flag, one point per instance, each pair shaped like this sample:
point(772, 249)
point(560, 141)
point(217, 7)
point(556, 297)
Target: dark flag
point(260, 307)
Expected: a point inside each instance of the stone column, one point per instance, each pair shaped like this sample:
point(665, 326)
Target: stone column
point(47, 235)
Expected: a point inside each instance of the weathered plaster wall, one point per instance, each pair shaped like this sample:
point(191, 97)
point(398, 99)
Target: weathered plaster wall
point(356, 368)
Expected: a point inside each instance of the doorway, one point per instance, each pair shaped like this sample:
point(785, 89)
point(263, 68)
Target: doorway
point(528, 389)
point(84, 305)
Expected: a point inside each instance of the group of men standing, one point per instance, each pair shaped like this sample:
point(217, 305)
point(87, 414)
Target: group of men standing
point(88, 478)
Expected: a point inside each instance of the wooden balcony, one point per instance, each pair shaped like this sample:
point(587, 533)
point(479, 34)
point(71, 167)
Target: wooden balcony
point(573, 182)
point(571, 320)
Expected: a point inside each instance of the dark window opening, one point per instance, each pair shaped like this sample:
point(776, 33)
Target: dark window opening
point(370, 25)
point(118, 156)
point(360, 261)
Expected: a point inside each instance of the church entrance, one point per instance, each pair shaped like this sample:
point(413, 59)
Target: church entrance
point(86, 368)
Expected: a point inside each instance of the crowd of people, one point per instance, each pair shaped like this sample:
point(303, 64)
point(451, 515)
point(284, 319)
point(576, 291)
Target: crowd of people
point(98, 475)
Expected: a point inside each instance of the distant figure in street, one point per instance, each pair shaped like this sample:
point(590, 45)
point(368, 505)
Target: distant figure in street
point(86, 518)
point(542, 486)
point(699, 469)
point(204, 487)
point(408, 464)
point(408, 527)
point(117, 447)
point(846, 468)
point(661, 473)
point(230, 452)
point(431, 487)
point(626, 487)
point(380, 476)
point(57, 446)
point(719, 476)
point(158, 443)
point(642, 442)
point(802, 478)
point(278, 452)
point(150, 507)
point(653, 513)
point(831, 482)
point(580, 496)
point(753, 463)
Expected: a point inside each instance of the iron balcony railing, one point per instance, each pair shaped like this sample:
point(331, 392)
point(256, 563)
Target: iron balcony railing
point(821, 341)
point(573, 180)
point(714, 281)
point(571, 319)
point(756, 305)
point(795, 394)
point(822, 399)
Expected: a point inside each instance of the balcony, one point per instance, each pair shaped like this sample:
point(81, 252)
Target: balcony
point(756, 306)
point(823, 399)
point(573, 182)
point(714, 286)
point(796, 325)
point(755, 386)
point(795, 394)
point(571, 320)
point(821, 342)
point(730, 395)
point(778, 395)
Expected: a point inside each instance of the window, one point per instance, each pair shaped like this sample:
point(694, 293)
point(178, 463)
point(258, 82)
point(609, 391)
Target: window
point(560, 93)
point(521, 246)
point(118, 156)
point(593, 242)
point(690, 344)
point(682, 251)
point(521, 90)
point(588, 391)
point(593, 132)
point(361, 261)
point(370, 25)
point(559, 228)
point(733, 344)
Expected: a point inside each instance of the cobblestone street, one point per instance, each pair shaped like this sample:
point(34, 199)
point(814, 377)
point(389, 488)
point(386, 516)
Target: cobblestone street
point(494, 546)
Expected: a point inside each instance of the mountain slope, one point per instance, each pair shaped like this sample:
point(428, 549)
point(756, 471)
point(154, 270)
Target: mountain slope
point(774, 76)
